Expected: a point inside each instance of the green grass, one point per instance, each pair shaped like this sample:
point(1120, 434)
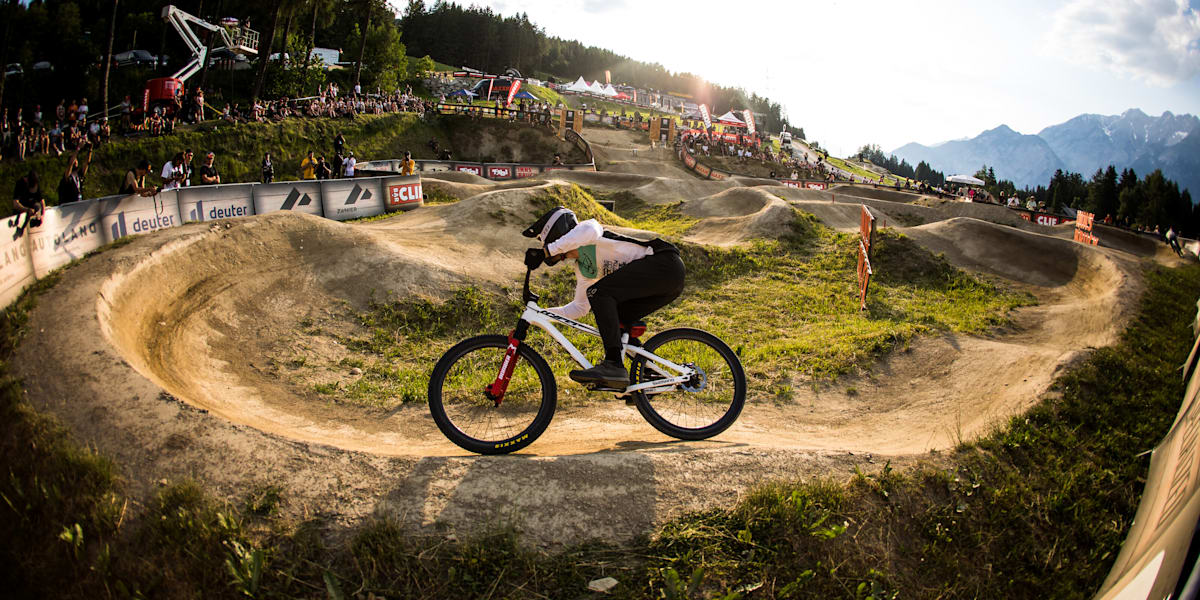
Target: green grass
point(789, 307)
point(240, 148)
point(1036, 510)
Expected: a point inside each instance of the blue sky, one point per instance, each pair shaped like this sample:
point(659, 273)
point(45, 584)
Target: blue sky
point(888, 73)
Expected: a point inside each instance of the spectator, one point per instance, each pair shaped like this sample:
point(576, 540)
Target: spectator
point(135, 181)
point(172, 173)
point(126, 110)
point(268, 170)
point(323, 170)
point(82, 111)
point(27, 200)
point(208, 171)
point(308, 167)
point(339, 144)
point(558, 160)
point(408, 166)
point(188, 170)
point(348, 166)
point(70, 189)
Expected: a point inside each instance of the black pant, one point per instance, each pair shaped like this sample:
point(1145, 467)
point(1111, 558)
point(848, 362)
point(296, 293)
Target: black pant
point(632, 292)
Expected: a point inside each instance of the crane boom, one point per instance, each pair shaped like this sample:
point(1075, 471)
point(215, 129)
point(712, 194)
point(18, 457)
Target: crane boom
point(240, 39)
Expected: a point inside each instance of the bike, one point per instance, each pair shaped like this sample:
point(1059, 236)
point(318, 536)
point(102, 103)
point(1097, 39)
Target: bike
point(494, 394)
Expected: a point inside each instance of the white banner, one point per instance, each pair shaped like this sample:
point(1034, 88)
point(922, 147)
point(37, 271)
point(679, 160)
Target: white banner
point(134, 215)
point(16, 270)
point(346, 199)
point(300, 196)
point(68, 232)
point(212, 202)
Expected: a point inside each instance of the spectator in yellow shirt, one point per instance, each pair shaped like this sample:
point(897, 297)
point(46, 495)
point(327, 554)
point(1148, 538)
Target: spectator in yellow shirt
point(408, 166)
point(308, 167)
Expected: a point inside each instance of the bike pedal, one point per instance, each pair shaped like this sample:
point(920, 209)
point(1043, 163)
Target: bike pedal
point(596, 387)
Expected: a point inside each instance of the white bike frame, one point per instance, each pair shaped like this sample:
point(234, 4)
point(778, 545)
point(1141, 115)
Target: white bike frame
point(672, 373)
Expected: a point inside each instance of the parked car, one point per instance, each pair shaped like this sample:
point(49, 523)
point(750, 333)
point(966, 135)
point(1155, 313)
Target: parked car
point(43, 65)
point(135, 58)
point(13, 69)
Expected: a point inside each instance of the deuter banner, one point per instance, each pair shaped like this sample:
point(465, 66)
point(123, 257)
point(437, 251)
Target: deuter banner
point(135, 215)
point(212, 202)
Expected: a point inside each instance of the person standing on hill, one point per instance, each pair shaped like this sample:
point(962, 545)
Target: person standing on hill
point(208, 171)
point(308, 167)
point(70, 189)
point(268, 170)
point(172, 173)
point(348, 166)
point(339, 144)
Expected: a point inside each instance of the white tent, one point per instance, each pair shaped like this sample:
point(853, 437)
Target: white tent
point(596, 88)
point(580, 86)
point(730, 119)
point(609, 91)
point(964, 179)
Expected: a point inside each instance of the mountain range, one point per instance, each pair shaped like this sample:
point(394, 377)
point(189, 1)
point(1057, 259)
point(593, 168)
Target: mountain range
point(1083, 144)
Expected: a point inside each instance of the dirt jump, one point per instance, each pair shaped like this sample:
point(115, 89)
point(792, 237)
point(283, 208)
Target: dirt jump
point(161, 353)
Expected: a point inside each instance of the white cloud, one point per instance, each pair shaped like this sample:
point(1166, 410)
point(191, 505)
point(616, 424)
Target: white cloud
point(1157, 41)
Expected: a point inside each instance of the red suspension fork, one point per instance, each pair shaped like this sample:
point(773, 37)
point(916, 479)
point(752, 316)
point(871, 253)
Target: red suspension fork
point(495, 391)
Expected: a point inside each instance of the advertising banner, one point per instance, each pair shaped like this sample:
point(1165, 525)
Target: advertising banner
point(1043, 218)
point(212, 202)
point(403, 193)
point(345, 199)
point(300, 196)
point(705, 116)
point(689, 160)
point(512, 91)
point(16, 270)
point(432, 166)
point(702, 169)
point(523, 172)
point(135, 215)
point(816, 185)
point(749, 119)
point(499, 171)
point(68, 232)
point(718, 175)
point(474, 169)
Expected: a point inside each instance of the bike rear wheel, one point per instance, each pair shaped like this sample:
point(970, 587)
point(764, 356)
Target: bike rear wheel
point(703, 407)
point(472, 420)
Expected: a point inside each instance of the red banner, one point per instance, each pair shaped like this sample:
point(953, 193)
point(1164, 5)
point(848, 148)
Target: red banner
point(402, 194)
point(749, 121)
point(499, 172)
point(469, 169)
point(1084, 237)
point(512, 90)
point(523, 172)
point(1084, 220)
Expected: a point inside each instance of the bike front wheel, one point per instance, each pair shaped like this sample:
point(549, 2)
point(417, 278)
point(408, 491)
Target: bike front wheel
point(700, 408)
point(469, 417)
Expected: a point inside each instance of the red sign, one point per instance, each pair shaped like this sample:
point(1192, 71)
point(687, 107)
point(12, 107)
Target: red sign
point(512, 90)
point(469, 169)
point(689, 160)
point(523, 172)
point(816, 185)
point(866, 233)
point(499, 172)
point(703, 170)
point(718, 175)
point(749, 121)
point(405, 193)
point(1084, 237)
point(790, 183)
point(1084, 220)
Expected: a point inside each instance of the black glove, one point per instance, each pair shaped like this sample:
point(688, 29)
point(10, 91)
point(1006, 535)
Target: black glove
point(534, 258)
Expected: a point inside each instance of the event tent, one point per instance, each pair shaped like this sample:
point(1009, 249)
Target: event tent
point(524, 95)
point(965, 180)
point(463, 92)
point(730, 119)
point(580, 86)
point(609, 91)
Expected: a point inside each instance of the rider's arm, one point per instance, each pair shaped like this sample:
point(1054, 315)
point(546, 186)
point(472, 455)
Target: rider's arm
point(582, 234)
point(577, 307)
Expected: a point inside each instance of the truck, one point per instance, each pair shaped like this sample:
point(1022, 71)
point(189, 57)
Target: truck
point(785, 139)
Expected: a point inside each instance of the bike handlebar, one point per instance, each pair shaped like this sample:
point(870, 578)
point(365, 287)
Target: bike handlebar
point(527, 295)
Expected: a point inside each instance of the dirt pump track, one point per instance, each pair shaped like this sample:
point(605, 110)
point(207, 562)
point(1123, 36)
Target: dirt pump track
point(157, 352)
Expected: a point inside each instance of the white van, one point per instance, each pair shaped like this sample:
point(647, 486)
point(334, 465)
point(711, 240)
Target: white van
point(785, 139)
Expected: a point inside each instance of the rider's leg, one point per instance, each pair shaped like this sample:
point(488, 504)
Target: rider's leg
point(634, 290)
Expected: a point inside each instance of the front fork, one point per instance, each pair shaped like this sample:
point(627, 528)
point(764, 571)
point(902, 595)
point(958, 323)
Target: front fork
point(495, 390)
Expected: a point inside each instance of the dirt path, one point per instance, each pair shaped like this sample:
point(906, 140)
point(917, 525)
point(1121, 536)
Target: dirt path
point(160, 347)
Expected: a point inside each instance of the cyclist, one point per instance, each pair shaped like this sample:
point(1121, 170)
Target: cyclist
point(618, 278)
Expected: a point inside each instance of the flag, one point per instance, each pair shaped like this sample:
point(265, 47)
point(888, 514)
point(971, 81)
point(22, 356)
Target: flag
point(607, 78)
point(749, 121)
point(512, 91)
point(707, 119)
point(491, 82)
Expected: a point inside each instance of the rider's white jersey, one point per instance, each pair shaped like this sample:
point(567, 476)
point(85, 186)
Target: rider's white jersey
point(598, 256)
